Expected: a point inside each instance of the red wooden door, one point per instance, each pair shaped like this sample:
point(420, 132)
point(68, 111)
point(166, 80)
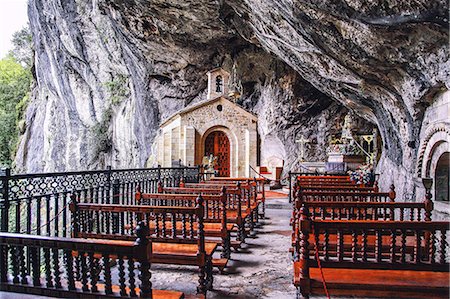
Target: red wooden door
point(218, 145)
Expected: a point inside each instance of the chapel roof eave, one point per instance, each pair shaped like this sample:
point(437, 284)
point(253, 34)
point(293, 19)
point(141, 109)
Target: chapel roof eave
point(204, 103)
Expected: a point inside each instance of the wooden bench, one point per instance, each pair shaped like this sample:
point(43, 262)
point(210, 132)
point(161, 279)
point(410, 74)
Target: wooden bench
point(247, 200)
point(216, 216)
point(260, 188)
point(234, 213)
point(170, 245)
point(22, 270)
point(383, 268)
point(340, 196)
point(384, 211)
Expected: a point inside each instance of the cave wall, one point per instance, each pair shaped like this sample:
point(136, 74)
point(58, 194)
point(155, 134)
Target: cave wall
point(109, 71)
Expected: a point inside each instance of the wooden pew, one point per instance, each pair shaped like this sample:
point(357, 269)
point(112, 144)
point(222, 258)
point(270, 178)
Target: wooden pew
point(233, 203)
point(370, 211)
point(383, 268)
point(248, 201)
point(340, 196)
point(216, 215)
point(95, 257)
point(185, 246)
point(260, 188)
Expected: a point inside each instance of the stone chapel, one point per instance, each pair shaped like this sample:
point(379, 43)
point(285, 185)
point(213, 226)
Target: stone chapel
point(216, 126)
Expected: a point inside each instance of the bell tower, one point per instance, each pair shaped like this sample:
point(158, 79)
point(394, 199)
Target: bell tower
point(218, 80)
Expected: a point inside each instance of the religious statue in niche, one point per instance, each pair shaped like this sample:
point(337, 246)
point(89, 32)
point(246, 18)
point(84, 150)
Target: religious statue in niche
point(209, 162)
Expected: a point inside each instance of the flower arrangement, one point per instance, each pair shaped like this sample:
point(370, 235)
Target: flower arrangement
point(362, 175)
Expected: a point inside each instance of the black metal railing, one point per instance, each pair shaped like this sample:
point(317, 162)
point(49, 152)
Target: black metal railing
point(38, 203)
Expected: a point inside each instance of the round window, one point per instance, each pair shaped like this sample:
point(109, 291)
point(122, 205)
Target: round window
point(219, 107)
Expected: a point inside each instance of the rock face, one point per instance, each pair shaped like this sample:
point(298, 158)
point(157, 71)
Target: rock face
point(109, 71)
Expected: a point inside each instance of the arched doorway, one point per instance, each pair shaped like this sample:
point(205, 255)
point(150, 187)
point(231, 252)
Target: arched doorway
point(217, 144)
point(442, 178)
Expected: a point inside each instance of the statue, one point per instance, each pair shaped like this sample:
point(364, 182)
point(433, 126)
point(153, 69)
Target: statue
point(346, 128)
point(209, 163)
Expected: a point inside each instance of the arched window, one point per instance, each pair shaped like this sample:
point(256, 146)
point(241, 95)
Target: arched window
point(442, 183)
point(219, 84)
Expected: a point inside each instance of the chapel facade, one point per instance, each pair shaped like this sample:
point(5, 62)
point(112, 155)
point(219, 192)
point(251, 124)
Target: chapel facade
point(216, 127)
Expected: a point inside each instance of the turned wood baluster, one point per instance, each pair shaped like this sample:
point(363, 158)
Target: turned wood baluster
point(443, 242)
point(417, 247)
point(174, 225)
point(22, 267)
point(144, 258)
point(392, 246)
point(15, 264)
point(84, 272)
point(48, 271)
point(122, 220)
point(432, 246)
point(183, 222)
point(322, 213)
point(94, 272)
point(339, 214)
point(364, 246)
point(56, 270)
point(326, 245)
point(340, 245)
point(68, 258)
point(191, 226)
point(402, 214)
point(316, 241)
point(107, 274)
point(378, 247)
point(123, 291)
point(131, 279)
point(354, 245)
point(157, 230)
point(35, 266)
point(403, 244)
point(201, 289)
point(164, 225)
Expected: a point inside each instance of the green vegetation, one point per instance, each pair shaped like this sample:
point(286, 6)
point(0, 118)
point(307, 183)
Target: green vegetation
point(15, 82)
point(118, 89)
point(101, 139)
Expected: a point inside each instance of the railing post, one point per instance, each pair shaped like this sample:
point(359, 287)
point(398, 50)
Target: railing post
point(108, 184)
point(198, 174)
point(4, 203)
point(290, 187)
point(115, 200)
point(4, 206)
point(144, 250)
point(201, 253)
point(75, 221)
point(159, 173)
